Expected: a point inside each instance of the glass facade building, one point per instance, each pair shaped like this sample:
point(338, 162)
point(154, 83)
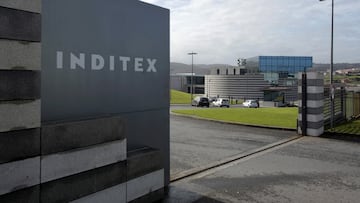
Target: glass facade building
point(276, 68)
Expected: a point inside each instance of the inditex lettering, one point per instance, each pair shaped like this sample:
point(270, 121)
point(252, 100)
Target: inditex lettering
point(98, 62)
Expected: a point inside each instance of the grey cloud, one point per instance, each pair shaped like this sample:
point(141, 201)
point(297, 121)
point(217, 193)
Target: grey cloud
point(222, 31)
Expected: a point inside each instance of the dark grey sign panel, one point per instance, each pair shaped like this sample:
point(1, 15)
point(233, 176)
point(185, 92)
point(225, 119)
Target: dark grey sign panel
point(103, 57)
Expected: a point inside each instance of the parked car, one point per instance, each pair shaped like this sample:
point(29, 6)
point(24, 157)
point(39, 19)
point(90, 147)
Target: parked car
point(220, 102)
point(200, 101)
point(251, 104)
point(212, 99)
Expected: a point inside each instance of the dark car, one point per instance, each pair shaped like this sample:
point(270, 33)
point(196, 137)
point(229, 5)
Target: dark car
point(200, 101)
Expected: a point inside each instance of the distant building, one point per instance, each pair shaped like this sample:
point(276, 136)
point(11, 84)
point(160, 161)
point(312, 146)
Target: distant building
point(230, 70)
point(267, 78)
point(276, 69)
point(249, 86)
point(281, 72)
point(182, 82)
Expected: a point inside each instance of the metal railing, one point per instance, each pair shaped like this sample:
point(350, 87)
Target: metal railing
point(346, 106)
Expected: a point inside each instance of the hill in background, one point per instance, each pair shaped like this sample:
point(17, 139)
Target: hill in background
point(202, 69)
point(337, 66)
point(199, 69)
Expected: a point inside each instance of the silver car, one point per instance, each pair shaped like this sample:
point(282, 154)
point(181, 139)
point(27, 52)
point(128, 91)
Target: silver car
point(251, 104)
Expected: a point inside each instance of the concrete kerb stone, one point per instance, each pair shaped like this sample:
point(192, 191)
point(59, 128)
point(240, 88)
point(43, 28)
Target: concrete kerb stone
point(233, 123)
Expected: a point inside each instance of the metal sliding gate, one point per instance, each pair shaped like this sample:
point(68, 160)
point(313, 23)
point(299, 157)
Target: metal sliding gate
point(346, 105)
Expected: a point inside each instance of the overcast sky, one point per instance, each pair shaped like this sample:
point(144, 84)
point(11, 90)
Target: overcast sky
point(221, 31)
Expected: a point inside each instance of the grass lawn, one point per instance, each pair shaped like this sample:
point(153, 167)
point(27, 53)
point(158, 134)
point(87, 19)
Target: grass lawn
point(352, 128)
point(178, 97)
point(275, 117)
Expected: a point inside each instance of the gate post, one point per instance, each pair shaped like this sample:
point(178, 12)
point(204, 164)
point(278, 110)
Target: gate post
point(303, 104)
point(311, 93)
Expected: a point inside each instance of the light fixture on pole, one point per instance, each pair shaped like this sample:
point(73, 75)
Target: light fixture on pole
point(332, 91)
point(192, 74)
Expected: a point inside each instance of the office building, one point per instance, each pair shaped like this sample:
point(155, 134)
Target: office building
point(270, 78)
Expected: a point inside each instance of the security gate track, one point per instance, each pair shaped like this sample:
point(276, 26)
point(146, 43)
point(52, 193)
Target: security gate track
point(227, 162)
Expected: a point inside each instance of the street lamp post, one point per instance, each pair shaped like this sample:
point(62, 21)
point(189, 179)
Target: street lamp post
point(209, 86)
point(192, 74)
point(331, 66)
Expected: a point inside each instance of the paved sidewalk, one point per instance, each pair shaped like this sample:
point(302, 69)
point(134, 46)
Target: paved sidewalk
point(307, 170)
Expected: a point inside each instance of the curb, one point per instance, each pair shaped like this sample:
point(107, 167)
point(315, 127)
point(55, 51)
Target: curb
point(232, 123)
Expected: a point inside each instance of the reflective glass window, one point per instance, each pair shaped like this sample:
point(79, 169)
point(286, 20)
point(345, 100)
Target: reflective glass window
point(188, 80)
point(262, 62)
point(308, 62)
point(281, 61)
point(291, 61)
point(266, 60)
point(286, 61)
point(273, 61)
point(302, 62)
point(277, 64)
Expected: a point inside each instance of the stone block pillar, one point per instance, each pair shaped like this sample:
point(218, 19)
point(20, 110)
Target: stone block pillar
point(20, 65)
point(314, 104)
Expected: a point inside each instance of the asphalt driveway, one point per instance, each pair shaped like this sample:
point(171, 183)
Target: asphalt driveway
point(195, 143)
point(309, 169)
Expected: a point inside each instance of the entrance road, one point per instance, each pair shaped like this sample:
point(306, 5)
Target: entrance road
point(195, 143)
point(309, 169)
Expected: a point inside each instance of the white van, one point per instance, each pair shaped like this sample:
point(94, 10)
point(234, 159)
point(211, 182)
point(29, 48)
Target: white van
point(200, 101)
point(220, 102)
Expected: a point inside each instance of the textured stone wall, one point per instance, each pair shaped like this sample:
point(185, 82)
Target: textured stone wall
point(20, 56)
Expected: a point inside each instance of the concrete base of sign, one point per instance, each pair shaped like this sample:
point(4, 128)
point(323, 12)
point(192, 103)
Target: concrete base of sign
point(81, 161)
point(145, 180)
point(19, 174)
point(19, 84)
point(30, 194)
point(83, 184)
point(19, 115)
point(144, 185)
point(26, 5)
point(19, 144)
point(20, 104)
point(145, 175)
point(112, 194)
point(20, 55)
point(24, 26)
